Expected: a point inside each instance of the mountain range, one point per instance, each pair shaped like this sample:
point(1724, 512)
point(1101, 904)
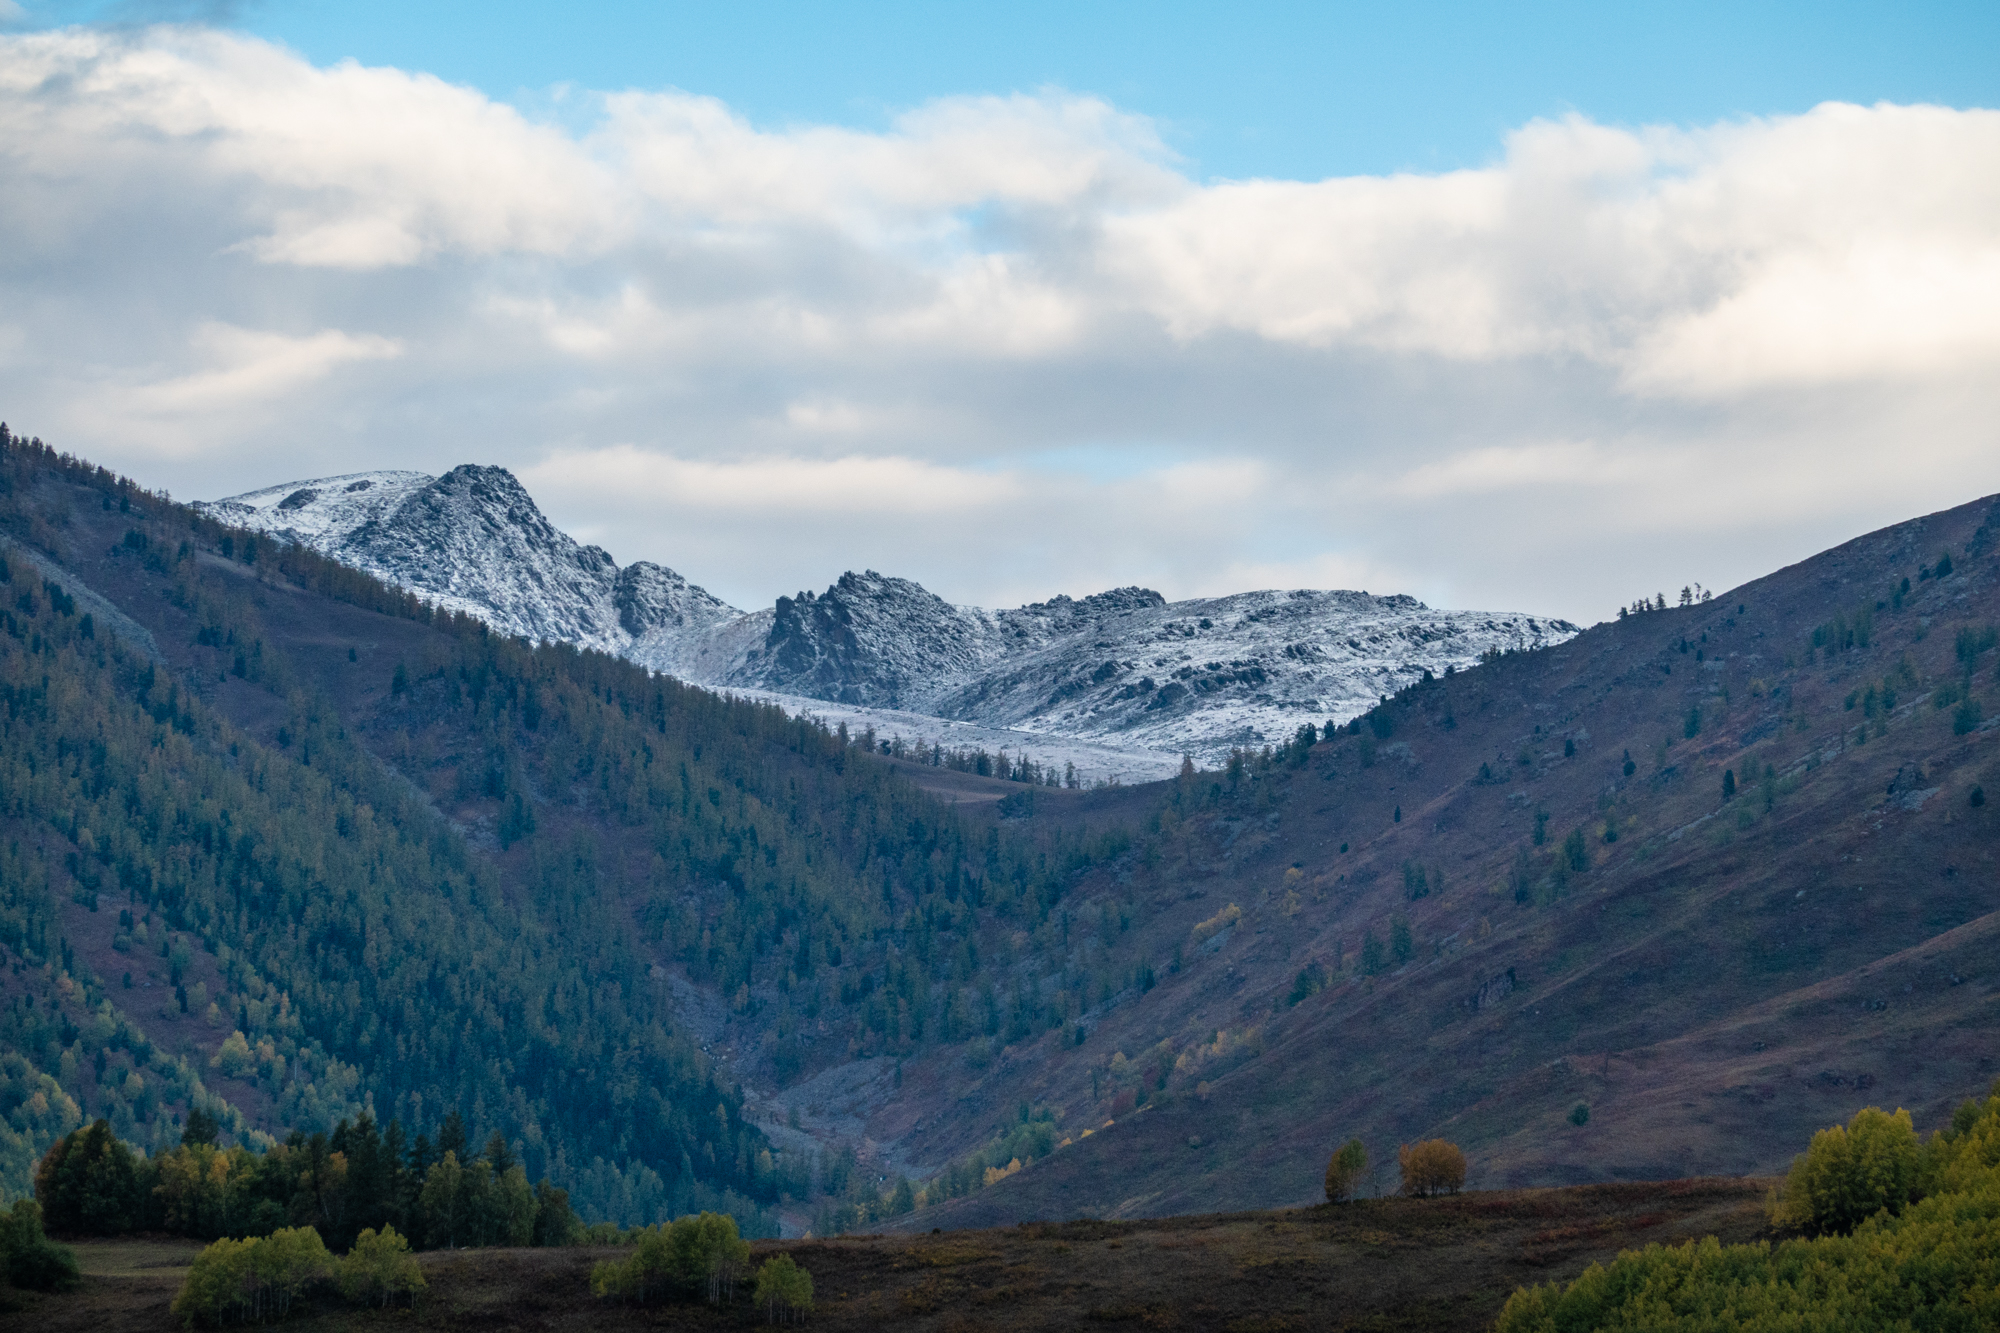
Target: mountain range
point(1124, 668)
point(285, 840)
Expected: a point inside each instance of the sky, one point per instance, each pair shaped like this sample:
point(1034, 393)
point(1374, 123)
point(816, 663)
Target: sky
point(1530, 308)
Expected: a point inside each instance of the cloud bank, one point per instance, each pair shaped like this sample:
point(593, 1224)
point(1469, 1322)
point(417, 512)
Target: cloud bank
point(1007, 346)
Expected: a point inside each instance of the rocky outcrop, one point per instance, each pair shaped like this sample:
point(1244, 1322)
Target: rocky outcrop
point(1124, 667)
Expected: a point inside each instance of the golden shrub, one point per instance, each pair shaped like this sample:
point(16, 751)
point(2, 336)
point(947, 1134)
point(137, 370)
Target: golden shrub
point(1432, 1167)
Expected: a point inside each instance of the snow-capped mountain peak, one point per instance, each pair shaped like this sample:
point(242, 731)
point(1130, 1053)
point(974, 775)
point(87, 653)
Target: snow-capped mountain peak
point(474, 540)
point(1124, 668)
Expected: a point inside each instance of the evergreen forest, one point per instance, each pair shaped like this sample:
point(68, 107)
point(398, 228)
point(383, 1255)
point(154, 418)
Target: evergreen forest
point(458, 905)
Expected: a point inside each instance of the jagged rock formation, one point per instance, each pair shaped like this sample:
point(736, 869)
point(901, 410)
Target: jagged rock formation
point(1124, 667)
point(473, 540)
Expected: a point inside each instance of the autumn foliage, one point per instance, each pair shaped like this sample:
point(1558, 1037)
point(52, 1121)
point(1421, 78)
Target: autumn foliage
point(1432, 1167)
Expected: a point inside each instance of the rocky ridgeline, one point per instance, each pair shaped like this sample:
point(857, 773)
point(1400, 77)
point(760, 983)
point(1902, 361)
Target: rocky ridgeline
point(1124, 667)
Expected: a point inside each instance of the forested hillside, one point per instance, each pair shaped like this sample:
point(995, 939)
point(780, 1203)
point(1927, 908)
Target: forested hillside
point(288, 844)
point(285, 843)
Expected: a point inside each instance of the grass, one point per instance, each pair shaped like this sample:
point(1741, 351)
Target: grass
point(128, 1285)
point(1378, 1264)
point(165, 1258)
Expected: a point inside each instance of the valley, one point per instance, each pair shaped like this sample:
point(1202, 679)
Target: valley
point(1712, 875)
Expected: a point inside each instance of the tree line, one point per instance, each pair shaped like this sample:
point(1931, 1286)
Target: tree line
point(358, 1178)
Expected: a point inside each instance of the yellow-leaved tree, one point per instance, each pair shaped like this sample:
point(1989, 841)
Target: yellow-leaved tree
point(1431, 1167)
point(1345, 1170)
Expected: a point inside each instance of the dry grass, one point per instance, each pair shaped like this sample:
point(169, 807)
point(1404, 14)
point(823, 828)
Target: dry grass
point(1381, 1264)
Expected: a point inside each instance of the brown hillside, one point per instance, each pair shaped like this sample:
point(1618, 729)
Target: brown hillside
point(1722, 979)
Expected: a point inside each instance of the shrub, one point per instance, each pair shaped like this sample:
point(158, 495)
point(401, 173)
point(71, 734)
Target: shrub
point(28, 1258)
point(217, 1283)
point(380, 1268)
point(1373, 960)
point(1579, 1115)
point(1345, 1170)
point(252, 1279)
point(1401, 943)
point(1934, 1266)
point(784, 1289)
point(1431, 1167)
point(287, 1262)
point(1845, 1176)
point(697, 1254)
point(1215, 925)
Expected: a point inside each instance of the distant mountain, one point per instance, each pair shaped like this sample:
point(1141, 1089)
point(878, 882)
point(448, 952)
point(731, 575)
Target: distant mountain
point(1124, 667)
point(474, 541)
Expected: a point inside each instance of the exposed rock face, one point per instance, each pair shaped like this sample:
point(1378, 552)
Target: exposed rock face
point(474, 540)
point(1125, 667)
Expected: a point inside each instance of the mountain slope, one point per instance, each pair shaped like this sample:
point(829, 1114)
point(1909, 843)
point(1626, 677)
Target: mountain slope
point(290, 843)
point(1123, 667)
point(1507, 891)
point(1720, 875)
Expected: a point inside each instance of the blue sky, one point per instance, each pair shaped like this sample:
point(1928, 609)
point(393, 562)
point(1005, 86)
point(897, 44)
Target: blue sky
point(1300, 91)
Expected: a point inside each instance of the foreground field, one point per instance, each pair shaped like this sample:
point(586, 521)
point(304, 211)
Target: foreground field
point(1383, 1264)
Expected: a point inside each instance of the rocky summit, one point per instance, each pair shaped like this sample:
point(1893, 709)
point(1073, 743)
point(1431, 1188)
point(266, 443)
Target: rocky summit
point(1125, 668)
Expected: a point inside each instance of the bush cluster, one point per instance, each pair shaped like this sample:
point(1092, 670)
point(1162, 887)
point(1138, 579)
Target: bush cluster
point(1848, 1174)
point(28, 1258)
point(252, 1279)
point(695, 1255)
point(1926, 1257)
point(261, 1277)
point(1432, 1167)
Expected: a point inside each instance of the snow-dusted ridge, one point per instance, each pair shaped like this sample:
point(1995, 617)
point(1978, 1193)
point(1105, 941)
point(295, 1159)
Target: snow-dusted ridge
point(1122, 672)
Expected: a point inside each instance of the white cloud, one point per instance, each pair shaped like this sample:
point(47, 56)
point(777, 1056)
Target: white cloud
point(1503, 468)
point(250, 367)
point(1897, 312)
point(1525, 384)
point(854, 484)
point(241, 380)
point(344, 167)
